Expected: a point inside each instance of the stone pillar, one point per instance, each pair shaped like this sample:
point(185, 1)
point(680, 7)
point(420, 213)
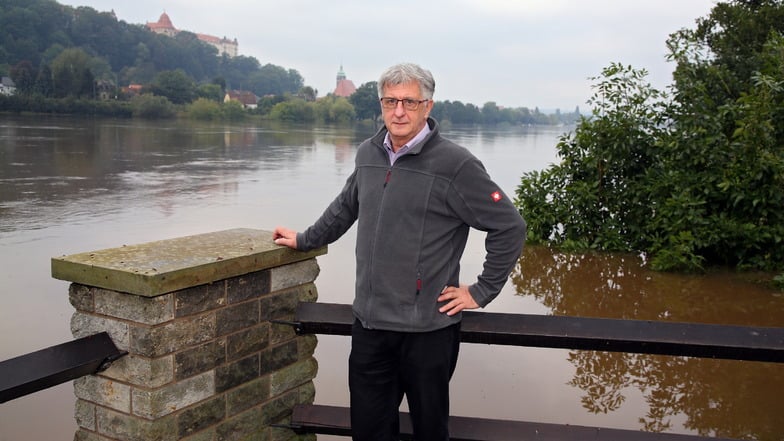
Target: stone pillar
point(205, 362)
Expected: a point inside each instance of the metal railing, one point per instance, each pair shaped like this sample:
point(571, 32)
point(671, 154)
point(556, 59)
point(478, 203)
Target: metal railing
point(581, 333)
point(26, 374)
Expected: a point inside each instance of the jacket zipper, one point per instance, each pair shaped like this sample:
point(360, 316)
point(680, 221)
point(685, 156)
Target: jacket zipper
point(419, 281)
point(370, 317)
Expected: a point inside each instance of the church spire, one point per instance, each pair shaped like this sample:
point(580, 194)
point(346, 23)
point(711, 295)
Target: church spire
point(341, 74)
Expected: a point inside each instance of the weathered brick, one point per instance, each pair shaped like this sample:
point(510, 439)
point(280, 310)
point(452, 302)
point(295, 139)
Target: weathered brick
point(142, 371)
point(201, 416)
point(84, 435)
point(279, 408)
point(248, 286)
point(104, 392)
point(200, 359)
point(126, 427)
point(236, 317)
point(248, 395)
point(293, 376)
point(247, 342)
point(147, 310)
point(204, 435)
point(278, 357)
point(283, 434)
point(83, 325)
point(244, 426)
point(308, 292)
point(200, 298)
point(84, 411)
point(280, 333)
point(306, 345)
point(159, 402)
point(81, 297)
point(234, 374)
point(307, 393)
point(294, 274)
point(282, 305)
point(161, 340)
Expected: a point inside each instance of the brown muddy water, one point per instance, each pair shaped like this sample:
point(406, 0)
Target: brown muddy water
point(70, 185)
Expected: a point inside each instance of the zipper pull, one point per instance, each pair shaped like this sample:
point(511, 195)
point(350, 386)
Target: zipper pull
point(419, 282)
point(386, 179)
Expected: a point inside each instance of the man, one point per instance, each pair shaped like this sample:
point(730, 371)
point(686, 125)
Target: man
point(415, 196)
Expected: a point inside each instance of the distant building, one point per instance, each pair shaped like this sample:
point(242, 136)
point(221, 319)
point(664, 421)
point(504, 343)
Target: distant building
point(224, 45)
point(163, 26)
point(249, 100)
point(344, 86)
point(132, 89)
point(105, 89)
point(7, 86)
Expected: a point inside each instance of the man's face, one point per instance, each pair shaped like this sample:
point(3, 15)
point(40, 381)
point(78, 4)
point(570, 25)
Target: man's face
point(404, 124)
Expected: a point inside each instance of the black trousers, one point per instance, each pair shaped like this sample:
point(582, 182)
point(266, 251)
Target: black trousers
point(385, 365)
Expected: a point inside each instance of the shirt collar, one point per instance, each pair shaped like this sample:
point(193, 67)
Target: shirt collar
point(407, 146)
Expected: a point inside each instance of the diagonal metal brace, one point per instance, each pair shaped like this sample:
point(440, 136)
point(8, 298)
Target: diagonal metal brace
point(107, 362)
point(295, 324)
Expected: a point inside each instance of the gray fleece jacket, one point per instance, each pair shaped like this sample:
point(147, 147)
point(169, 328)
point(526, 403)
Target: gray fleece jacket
point(414, 218)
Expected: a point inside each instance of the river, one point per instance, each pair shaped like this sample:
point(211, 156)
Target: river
point(70, 185)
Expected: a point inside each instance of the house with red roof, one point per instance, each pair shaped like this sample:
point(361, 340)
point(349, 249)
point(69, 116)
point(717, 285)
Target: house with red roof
point(248, 99)
point(224, 45)
point(132, 89)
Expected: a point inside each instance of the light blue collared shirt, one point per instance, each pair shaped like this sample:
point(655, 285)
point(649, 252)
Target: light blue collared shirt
point(403, 150)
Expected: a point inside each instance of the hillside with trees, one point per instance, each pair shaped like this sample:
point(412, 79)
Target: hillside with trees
point(38, 36)
point(79, 60)
point(691, 178)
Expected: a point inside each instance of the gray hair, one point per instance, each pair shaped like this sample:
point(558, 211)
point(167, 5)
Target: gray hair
point(407, 73)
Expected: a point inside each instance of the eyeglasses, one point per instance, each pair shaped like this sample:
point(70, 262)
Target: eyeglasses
point(408, 103)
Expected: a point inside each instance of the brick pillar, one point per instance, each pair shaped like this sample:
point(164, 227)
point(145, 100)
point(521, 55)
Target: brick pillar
point(204, 362)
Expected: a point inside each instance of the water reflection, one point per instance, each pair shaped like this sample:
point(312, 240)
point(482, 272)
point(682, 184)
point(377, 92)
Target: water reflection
point(47, 165)
point(618, 286)
point(71, 185)
point(717, 397)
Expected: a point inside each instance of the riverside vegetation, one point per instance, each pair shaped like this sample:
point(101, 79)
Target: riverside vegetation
point(691, 178)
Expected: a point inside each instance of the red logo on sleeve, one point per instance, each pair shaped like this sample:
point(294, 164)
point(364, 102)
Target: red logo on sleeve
point(496, 196)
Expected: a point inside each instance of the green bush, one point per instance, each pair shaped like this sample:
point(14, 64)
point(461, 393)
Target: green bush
point(233, 111)
point(204, 109)
point(151, 106)
point(295, 109)
point(40, 104)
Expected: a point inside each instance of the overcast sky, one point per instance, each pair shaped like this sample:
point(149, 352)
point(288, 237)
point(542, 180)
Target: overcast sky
point(517, 53)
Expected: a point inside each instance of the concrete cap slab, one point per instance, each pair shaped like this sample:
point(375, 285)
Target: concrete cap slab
point(155, 268)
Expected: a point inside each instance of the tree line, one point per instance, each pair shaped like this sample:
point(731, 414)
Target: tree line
point(691, 177)
point(363, 105)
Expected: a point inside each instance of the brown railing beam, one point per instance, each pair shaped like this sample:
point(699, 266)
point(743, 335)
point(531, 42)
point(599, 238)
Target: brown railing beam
point(597, 334)
point(332, 420)
point(58, 364)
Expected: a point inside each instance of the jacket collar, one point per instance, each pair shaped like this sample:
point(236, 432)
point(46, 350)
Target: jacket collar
point(378, 138)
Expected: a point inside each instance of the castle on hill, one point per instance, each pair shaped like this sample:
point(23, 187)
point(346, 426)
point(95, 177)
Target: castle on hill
point(224, 45)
